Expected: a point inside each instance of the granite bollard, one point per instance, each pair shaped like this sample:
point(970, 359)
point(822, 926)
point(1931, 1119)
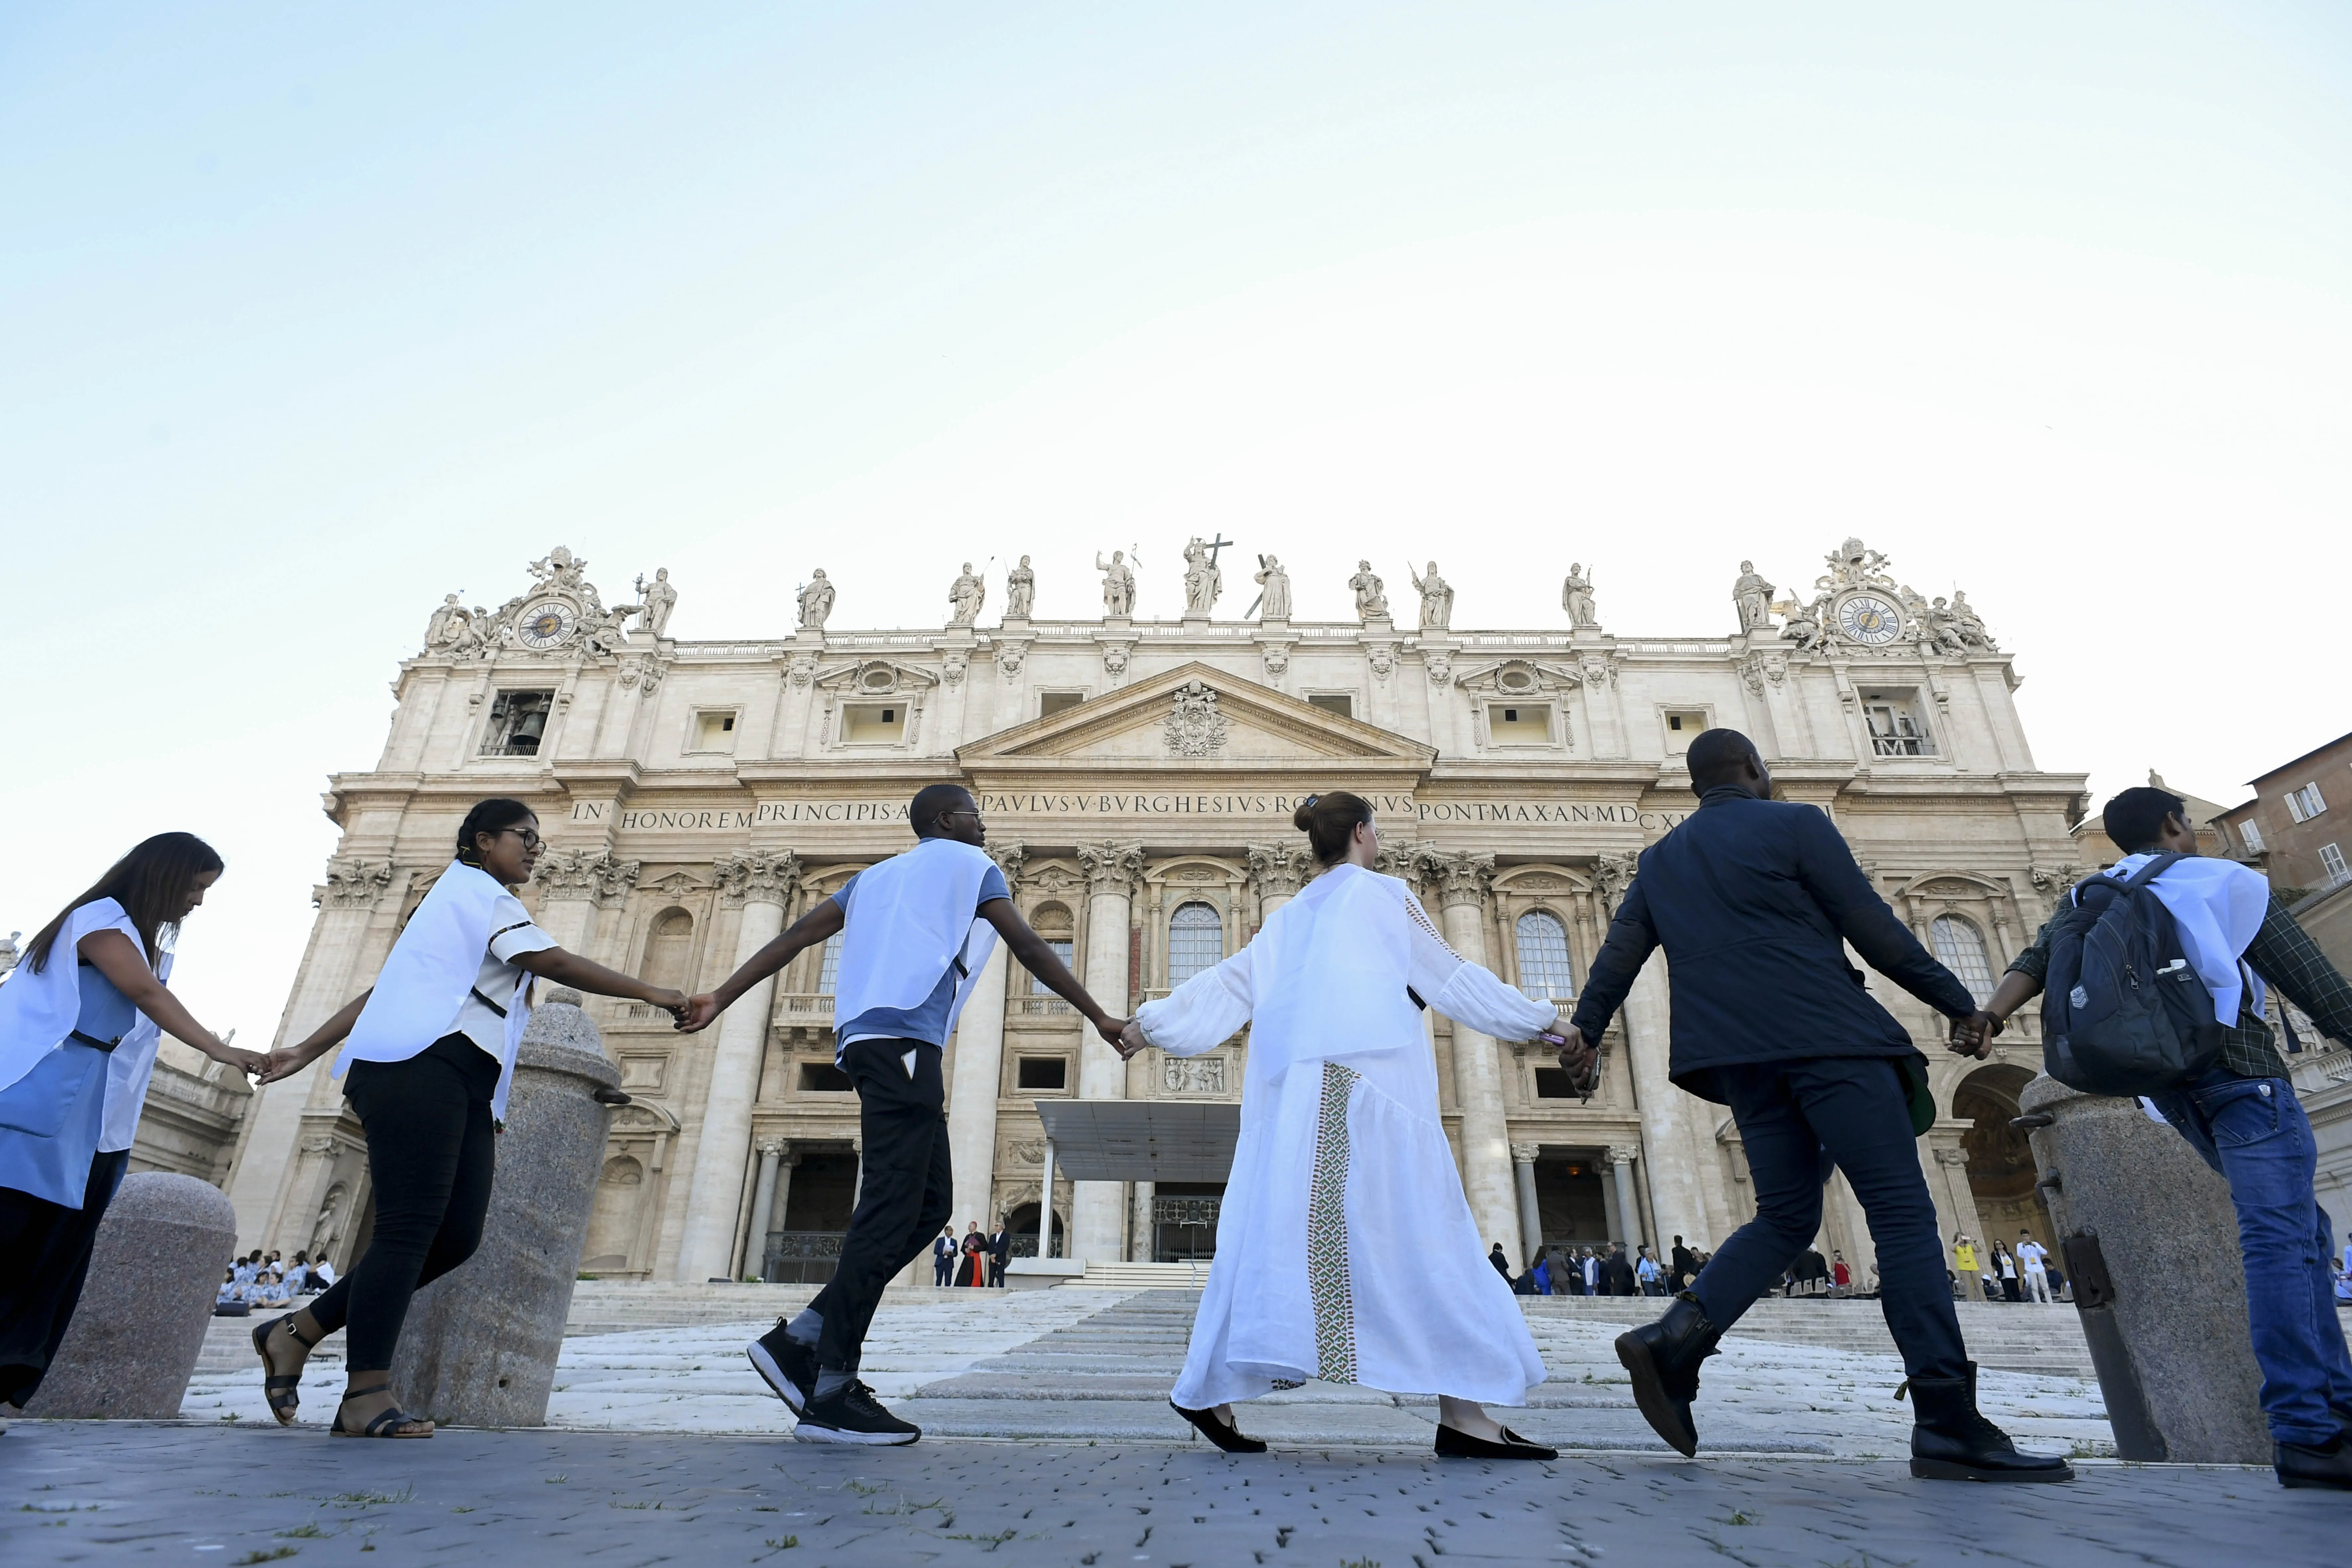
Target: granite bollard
point(479, 1345)
point(2150, 1242)
point(154, 1271)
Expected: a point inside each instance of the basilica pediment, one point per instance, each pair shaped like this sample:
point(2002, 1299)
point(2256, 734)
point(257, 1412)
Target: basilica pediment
point(1195, 714)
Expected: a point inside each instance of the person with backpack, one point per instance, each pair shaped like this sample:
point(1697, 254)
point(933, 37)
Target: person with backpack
point(2175, 913)
point(1754, 901)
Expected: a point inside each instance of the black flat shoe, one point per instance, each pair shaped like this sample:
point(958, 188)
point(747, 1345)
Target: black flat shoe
point(1224, 1436)
point(1457, 1444)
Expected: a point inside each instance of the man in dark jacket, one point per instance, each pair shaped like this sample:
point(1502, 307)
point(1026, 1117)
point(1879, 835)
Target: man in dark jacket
point(1754, 901)
point(1619, 1274)
point(1000, 1252)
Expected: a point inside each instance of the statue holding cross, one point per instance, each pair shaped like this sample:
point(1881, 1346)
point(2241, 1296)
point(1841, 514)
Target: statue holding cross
point(1203, 581)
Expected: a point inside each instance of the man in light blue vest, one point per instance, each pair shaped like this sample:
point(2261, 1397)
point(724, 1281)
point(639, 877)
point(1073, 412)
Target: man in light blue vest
point(916, 930)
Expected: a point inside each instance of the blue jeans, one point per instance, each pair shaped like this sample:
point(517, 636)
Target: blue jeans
point(1852, 1108)
point(2253, 1131)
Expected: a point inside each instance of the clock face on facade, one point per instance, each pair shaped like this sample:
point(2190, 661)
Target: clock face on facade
point(544, 625)
point(1866, 619)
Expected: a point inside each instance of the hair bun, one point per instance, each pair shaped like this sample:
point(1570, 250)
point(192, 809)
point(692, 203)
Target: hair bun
point(1303, 818)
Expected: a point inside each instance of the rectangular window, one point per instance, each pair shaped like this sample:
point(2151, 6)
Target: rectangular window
point(1553, 1083)
point(1051, 1073)
point(1338, 702)
point(2332, 858)
point(518, 723)
point(1683, 725)
point(823, 1078)
point(1063, 949)
point(1897, 729)
point(1519, 723)
point(1051, 702)
point(714, 731)
point(874, 723)
point(2251, 833)
point(2304, 804)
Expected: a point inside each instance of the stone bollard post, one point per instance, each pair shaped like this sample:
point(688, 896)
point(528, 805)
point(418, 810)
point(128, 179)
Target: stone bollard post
point(481, 1343)
point(2149, 1243)
point(154, 1271)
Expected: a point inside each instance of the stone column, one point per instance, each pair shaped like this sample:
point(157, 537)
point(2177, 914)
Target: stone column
point(2150, 1242)
point(764, 1207)
point(481, 1343)
point(1666, 1131)
point(566, 886)
point(146, 1304)
point(1947, 1164)
point(971, 1104)
point(1523, 1170)
point(760, 883)
point(1461, 882)
point(1629, 1207)
point(1276, 872)
point(1097, 1209)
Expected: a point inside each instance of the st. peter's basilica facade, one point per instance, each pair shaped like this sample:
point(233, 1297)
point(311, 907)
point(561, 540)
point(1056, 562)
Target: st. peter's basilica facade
point(1138, 777)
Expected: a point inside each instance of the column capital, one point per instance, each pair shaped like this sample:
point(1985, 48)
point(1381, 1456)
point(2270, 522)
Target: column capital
point(1625, 1153)
point(1111, 867)
point(1458, 878)
point(1951, 1156)
point(585, 874)
point(757, 876)
point(1277, 871)
point(1525, 1154)
point(355, 884)
point(772, 1148)
point(1009, 858)
point(1612, 874)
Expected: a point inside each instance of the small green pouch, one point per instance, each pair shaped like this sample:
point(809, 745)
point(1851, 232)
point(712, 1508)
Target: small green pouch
point(1908, 1071)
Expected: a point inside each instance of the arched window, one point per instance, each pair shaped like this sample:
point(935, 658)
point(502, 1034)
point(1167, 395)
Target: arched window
point(1196, 941)
point(828, 968)
point(668, 950)
point(1543, 957)
point(1961, 947)
point(1052, 921)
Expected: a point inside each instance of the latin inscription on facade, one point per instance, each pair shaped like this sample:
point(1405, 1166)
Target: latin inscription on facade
point(1277, 808)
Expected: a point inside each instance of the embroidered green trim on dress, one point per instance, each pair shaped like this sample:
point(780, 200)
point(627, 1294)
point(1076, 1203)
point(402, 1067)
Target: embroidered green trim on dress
point(1327, 1233)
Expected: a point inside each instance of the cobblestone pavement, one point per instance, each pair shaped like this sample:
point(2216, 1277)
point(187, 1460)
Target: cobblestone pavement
point(108, 1492)
point(1078, 1365)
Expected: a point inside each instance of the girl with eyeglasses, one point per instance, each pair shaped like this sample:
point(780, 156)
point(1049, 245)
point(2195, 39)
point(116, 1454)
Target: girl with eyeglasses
point(428, 1054)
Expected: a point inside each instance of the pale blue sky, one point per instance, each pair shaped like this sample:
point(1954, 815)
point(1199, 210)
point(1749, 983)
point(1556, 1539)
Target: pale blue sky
point(308, 317)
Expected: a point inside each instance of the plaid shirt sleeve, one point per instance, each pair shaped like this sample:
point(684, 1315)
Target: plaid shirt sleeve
point(2283, 954)
point(2034, 962)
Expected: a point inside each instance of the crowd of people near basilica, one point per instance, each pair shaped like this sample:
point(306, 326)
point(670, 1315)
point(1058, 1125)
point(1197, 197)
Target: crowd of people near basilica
point(1343, 1162)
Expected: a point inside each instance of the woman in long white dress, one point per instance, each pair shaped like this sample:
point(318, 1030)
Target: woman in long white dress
point(1343, 1165)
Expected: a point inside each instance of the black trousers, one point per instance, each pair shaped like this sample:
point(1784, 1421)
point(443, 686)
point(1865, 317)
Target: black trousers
point(431, 1155)
point(906, 1188)
point(47, 1248)
point(1854, 1109)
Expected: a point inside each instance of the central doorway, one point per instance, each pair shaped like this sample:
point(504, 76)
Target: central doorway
point(1184, 1221)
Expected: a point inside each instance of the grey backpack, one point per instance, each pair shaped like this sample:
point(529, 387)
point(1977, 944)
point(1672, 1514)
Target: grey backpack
point(2121, 1012)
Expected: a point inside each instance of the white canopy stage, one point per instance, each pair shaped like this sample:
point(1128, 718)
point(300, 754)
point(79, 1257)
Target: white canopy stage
point(1133, 1141)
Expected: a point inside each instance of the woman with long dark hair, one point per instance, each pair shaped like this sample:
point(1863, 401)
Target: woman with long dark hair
point(80, 1018)
point(1343, 1164)
point(428, 1052)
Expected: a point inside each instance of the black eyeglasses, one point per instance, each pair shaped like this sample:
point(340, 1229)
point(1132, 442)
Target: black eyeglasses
point(530, 836)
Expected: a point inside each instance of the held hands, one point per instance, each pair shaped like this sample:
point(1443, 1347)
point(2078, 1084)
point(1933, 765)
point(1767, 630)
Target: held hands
point(237, 1057)
point(282, 1063)
point(697, 1011)
point(1973, 1036)
point(669, 1000)
point(1130, 1040)
point(1580, 1057)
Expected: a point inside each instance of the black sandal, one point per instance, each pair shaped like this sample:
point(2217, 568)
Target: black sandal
point(282, 1390)
point(1225, 1435)
point(393, 1418)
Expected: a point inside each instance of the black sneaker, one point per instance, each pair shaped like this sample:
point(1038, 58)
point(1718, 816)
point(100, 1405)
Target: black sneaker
point(854, 1416)
point(788, 1366)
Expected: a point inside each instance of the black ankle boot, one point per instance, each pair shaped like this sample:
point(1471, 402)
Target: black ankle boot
point(1664, 1357)
point(2304, 1465)
point(1951, 1442)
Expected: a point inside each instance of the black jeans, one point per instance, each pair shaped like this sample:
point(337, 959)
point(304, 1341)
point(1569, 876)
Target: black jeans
point(46, 1248)
point(430, 1154)
point(1853, 1109)
point(906, 1188)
